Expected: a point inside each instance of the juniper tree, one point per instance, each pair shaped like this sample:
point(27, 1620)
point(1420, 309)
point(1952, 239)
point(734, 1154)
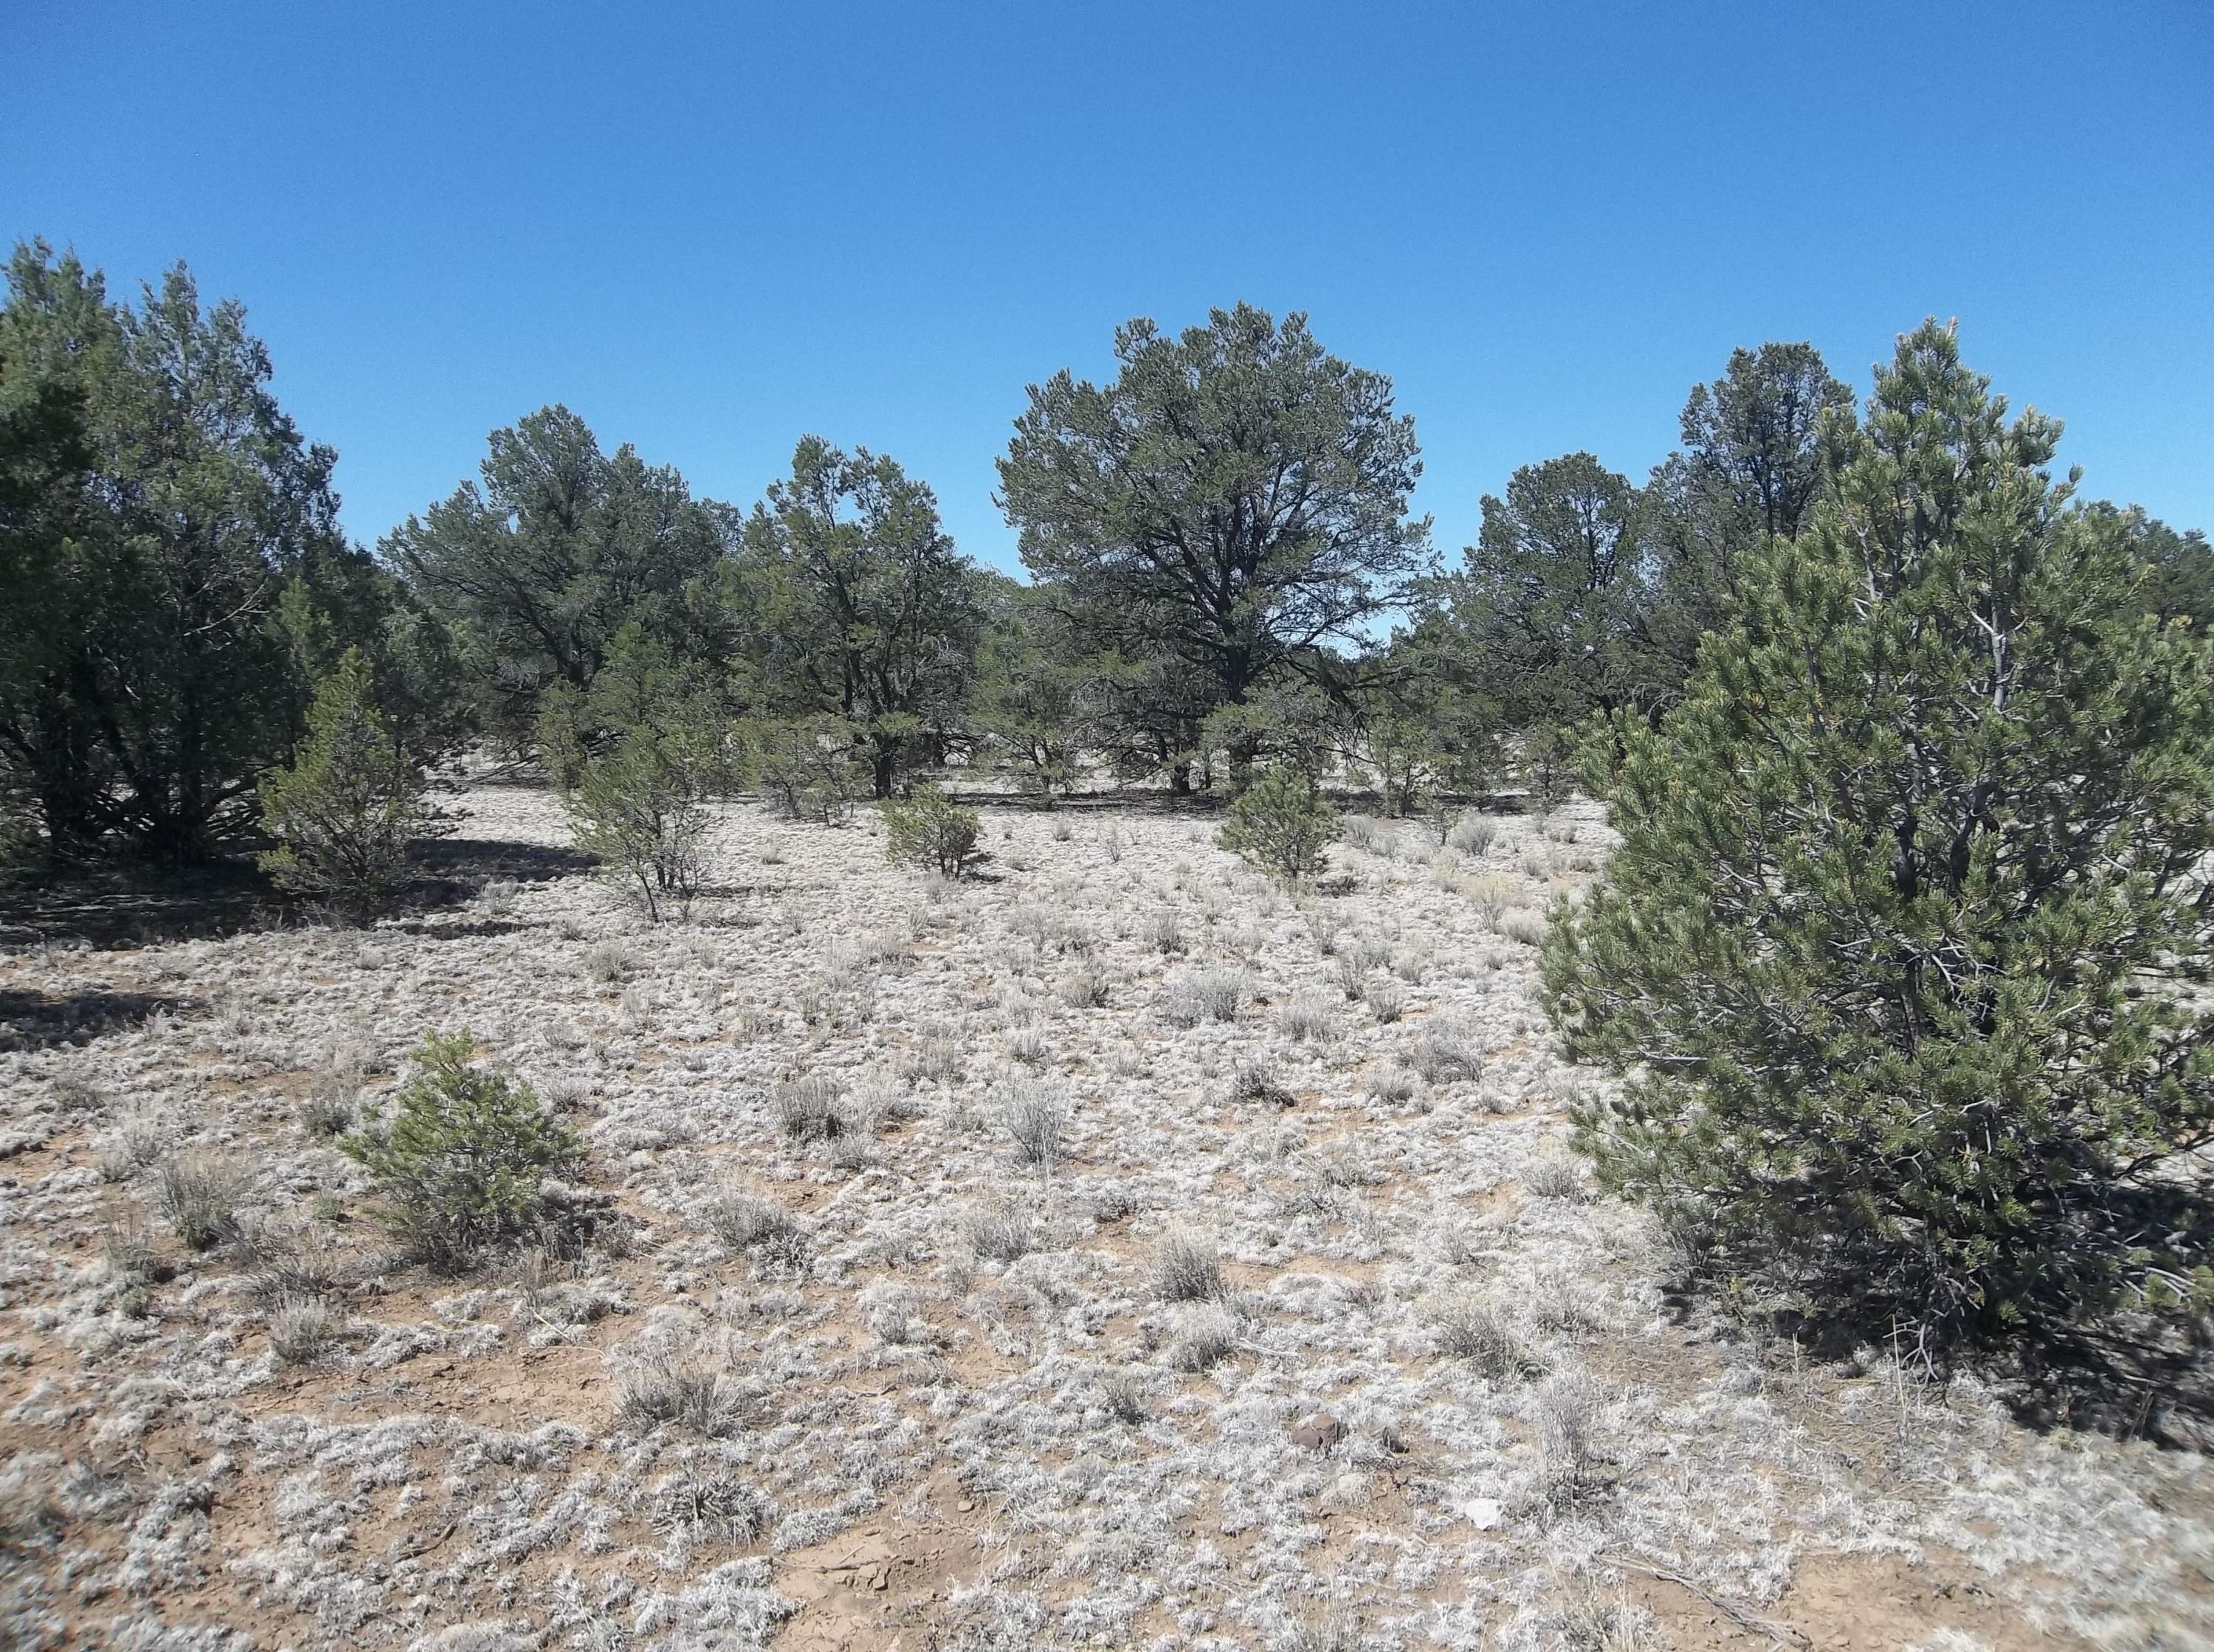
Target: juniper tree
point(1900, 952)
point(155, 504)
point(537, 570)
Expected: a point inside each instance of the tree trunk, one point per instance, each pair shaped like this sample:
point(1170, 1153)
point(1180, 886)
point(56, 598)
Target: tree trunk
point(1242, 751)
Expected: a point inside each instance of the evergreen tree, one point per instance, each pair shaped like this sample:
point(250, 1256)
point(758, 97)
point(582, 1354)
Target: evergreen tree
point(347, 811)
point(1038, 699)
point(1899, 954)
point(1556, 600)
point(149, 681)
point(1749, 469)
point(1281, 825)
point(859, 604)
point(1234, 499)
point(536, 570)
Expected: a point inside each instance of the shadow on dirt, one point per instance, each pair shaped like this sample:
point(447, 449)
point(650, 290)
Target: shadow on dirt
point(31, 1020)
point(475, 861)
point(112, 907)
point(108, 908)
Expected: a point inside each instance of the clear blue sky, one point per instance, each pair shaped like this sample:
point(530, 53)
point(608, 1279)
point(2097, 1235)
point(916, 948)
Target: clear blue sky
point(710, 229)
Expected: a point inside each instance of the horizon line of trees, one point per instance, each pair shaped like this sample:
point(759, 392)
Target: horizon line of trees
point(1225, 571)
point(1900, 962)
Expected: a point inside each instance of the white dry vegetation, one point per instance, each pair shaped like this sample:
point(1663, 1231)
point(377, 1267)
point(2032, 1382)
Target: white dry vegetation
point(953, 1265)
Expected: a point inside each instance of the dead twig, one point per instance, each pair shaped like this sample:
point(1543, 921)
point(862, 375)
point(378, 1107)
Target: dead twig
point(1782, 1634)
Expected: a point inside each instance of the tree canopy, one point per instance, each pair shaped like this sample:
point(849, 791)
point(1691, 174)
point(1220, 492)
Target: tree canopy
point(535, 569)
point(159, 503)
point(857, 602)
point(1236, 498)
point(1899, 954)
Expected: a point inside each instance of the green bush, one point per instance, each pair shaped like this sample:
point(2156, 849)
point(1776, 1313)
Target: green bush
point(463, 1159)
point(812, 768)
point(1900, 955)
point(1282, 824)
point(929, 831)
point(639, 808)
point(346, 811)
point(1547, 762)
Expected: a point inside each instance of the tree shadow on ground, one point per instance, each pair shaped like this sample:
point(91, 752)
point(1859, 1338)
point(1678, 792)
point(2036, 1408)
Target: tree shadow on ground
point(1152, 801)
point(464, 930)
point(475, 861)
point(2133, 1377)
point(110, 907)
point(1086, 803)
point(32, 1019)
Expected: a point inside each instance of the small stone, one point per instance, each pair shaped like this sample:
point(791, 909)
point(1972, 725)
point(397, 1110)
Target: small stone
point(1321, 1432)
point(1483, 1513)
point(964, 1507)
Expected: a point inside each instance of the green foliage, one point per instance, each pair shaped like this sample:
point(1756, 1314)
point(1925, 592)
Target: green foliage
point(643, 683)
point(1282, 824)
point(856, 604)
point(155, 504)
point(345, 600)
point(1750, 469)
point(1547, 765)
point(347, 811)
point(2179, 568)
point(639, 756)
point(930, 831)
point(464, 1160)
point(640, 807)
point(534, 571)
point(1290, 723)
point(812, 767)
point(1558, 594)
point(1235, 497)
point(1902, 956)
point(1420, 725)
point(1038, 700)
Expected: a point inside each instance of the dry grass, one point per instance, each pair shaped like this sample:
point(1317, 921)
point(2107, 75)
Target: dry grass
point(984, 1242)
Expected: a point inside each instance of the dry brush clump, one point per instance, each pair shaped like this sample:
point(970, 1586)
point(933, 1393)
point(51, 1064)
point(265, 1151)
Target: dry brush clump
point(1186, 1268)
point(199, 1194)
point(1035, 1118)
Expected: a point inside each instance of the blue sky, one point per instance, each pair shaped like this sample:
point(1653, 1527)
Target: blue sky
point(710, 229)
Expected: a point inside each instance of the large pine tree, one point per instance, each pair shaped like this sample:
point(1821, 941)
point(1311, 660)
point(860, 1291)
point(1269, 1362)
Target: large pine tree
point(1903, 951)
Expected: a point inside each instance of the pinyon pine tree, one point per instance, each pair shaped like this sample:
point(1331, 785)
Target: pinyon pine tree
point(1902, 953)
point(347, 811)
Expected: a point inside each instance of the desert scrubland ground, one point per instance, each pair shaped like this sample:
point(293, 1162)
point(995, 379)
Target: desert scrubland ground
point(1305, 1332)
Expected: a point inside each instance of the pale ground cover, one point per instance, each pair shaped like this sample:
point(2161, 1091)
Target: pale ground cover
point(1113, 1251)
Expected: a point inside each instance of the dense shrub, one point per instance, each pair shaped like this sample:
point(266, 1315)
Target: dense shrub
point(1282, 824)
point(347, 811)
point(464, 1160)
point(1902, 949)
point(931, 832)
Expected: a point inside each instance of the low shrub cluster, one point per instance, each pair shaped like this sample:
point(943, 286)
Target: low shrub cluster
point(1281, 825)
point(462, 1161)
point(929, 831)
